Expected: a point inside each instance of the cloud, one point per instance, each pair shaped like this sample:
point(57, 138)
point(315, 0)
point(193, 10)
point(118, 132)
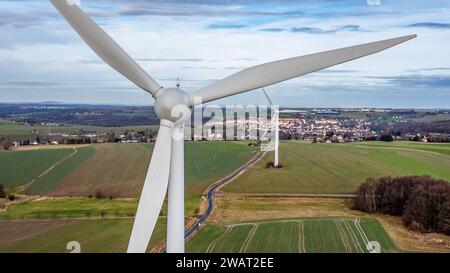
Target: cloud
point(171, 38)
point(273, 29)
point(430, 69)
point(18, 20)
point(314, 30)
point(195, 60)
point(227, 26)
point(417, 81)
point(430, 25)
point(336, 71)
point(211, 67)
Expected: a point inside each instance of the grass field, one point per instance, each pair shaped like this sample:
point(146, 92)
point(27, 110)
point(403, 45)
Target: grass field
point(304, 235)
point(20, 167)
point(340, 168)
point(63, 208)
point(51, 179)
point(110, 235)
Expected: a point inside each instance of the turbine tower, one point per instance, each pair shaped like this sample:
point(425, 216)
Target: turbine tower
point(276, 125)
point(173, 106)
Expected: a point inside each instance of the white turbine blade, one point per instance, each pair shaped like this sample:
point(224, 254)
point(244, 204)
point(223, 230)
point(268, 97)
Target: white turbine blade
point(278, 71)
point(154, 191)
point(105, 47)
point(267, 97)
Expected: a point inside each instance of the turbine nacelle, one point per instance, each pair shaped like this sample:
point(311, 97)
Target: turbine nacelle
point(172, 104)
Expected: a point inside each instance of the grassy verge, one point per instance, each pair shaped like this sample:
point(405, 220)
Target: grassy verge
point(70, 208)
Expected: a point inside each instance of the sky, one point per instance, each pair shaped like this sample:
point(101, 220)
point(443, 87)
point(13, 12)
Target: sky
point(199, 41)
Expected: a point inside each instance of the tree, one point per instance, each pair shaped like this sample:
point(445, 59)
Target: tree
point(99, 194)
point(423, 202)
point(426, 202)
point(386, 137)
point(365, 199)
point(6, 145)
point(443, 225)
point(2, 191)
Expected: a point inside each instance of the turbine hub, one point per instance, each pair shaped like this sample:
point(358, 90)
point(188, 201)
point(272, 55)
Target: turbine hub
point(172, 104)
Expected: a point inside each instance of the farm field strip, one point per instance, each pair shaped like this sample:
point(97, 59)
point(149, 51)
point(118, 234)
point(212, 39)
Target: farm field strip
point(249, 237)
point(344, 236)
point(361, 231)
point(321, 235)
point(301, 237)
point(223, 235)
point(353, 237)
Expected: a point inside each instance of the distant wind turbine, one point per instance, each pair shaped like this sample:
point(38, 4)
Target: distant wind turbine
point(275, 125)
point(173, 106)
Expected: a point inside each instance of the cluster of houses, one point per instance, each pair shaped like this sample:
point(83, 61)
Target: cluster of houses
point(326, 129)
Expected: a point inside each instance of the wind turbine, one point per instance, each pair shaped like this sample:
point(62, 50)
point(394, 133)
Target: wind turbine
point(275, 125)
point(173, 107)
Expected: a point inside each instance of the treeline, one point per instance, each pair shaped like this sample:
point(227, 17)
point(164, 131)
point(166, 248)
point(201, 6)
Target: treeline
point(412, 127)
point(423, 202)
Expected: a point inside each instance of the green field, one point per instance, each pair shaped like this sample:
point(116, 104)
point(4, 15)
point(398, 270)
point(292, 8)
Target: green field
point(20, 167)
point(306, 235)
point(341, 168)
point(117, 170)
point(51, 179)
point(109, 235)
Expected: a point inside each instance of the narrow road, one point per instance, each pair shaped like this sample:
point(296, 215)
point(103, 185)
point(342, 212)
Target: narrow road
point(212, 190)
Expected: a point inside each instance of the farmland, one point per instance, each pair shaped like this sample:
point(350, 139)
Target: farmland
point(289, 235)
point(20, 167)
point(107, 235)
point(117, 170)
point(340, 168)
point(241, 221)
point(49, 180)
point(301, 235)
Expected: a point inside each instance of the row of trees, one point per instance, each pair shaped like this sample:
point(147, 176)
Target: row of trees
point(423, 202)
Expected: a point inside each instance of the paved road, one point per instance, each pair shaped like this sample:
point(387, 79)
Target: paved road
point(212, 190)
